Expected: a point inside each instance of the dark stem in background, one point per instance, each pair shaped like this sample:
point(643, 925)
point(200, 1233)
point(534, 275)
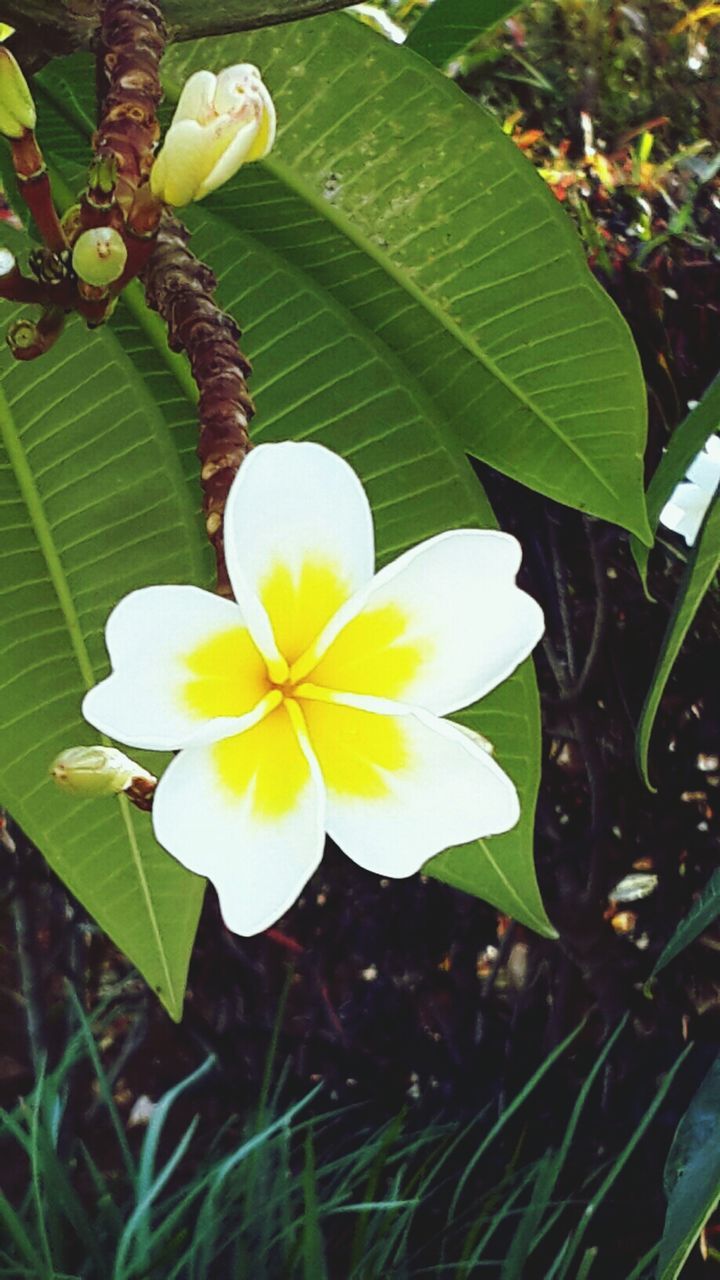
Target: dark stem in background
point(585, 934)
point(25, 935)
point(181, 289)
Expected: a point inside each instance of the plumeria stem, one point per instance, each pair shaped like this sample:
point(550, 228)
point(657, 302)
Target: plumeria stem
point(34, 186)
point(18, 288)
point(181, 289)
point(132, 40)
point(29, 339)
point(141, 792)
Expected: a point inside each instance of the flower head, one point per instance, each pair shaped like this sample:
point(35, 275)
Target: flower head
point(17, 109)
point(685, 510)
point(314, 703)
point(220, 123)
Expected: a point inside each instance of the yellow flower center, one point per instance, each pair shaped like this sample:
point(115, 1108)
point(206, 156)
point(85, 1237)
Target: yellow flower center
point(294, 696)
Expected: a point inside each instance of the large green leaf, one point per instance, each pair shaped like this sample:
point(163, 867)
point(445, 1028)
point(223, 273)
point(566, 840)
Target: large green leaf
point(321, 373)
point(692, 1176)
point(685, 443)
point(406, 201)
point(446, 27)
point(701, 570)
point(92, 504)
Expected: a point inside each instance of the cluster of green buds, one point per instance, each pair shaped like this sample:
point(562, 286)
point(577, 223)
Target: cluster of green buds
point(100, 244)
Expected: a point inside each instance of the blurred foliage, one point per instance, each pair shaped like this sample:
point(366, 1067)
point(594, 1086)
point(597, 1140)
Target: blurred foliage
point(623, 64)
point(294, 1189)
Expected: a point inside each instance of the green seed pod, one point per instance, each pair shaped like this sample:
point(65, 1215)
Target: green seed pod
point(99, 256)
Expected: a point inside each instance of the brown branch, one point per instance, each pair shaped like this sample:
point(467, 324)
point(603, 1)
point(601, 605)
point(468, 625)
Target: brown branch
point(181, 289)
point(132, 40)
point(46, 28)
point(188, 21)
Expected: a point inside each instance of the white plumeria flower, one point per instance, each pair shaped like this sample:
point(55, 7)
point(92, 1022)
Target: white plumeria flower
point(220, 123)
point(685, 510)
point(313, 704)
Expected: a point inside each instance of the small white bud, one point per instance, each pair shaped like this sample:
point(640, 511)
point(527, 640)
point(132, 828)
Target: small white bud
point(96, 771)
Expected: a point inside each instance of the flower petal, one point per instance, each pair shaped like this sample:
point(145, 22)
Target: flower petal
point(184, 666)
point(402, 788)
point(234, 84)
point(197, 97)
point(189, 151)
point(439, 627)
point(704, 470)
point(685, 511)
point(236, 152)
point(248, 813)
point(298, 542)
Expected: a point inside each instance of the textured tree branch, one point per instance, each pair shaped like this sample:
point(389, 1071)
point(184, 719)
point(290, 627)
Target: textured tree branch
point(49, 27)
point(132, 40)
point(181, 289)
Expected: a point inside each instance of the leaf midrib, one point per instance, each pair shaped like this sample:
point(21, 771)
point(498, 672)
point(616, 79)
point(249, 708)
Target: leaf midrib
point(344, 224)
point(75, 115)
point(58, 578)
point(331, 213)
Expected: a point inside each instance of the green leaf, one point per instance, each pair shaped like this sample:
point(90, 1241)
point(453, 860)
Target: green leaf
point(406, 201)
point(701, 914)
point(446, 27)
point(92, 504)
point(686, 442)
point(501, 878)
point(322, 373)
point(187, 19)
point(692, 1176)
point(699, 574)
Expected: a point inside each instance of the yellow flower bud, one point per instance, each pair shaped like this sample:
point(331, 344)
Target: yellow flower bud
point(99, 256)
point(17, 109)
point(96, 771)
point(220, 123)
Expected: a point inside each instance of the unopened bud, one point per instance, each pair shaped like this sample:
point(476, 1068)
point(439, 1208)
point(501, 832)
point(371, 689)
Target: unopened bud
point(17, 109)
point(23, 335)
point(71, 223)
point(7, 263)
point(220, 123)
point(99, 256)
point(96, 771)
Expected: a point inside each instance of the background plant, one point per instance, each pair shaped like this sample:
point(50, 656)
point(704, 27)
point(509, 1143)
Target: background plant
point(437, 1013)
